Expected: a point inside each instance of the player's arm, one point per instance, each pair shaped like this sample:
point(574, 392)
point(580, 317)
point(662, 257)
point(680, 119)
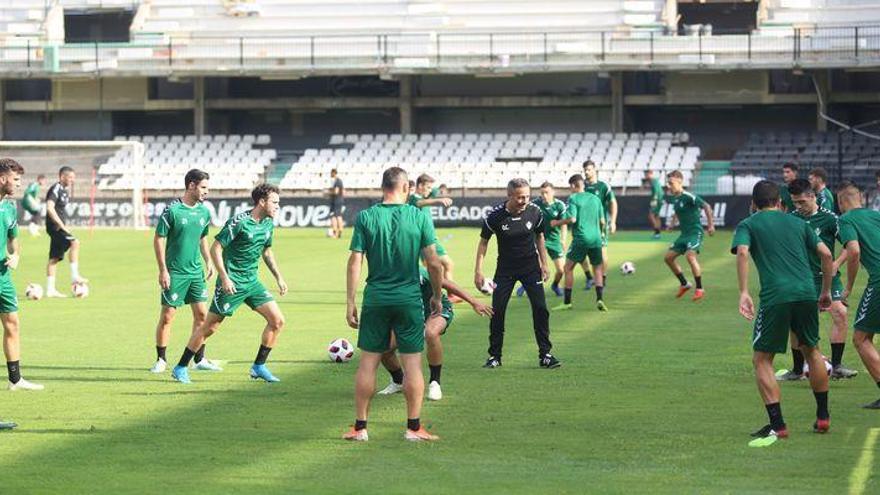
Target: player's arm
point(455, 290)
point(13, 248)
point(746, 305)
point(217, 257)
point(204, 248)
point(50, 211)
point(482, 248)
point(542, 255)
point(159, 243)
point(352, 278)
point(710, 218)
point(435, 270)
point(563, 235)
point(612, 209)
point(563, 222)
point(434, 201)
point(827, 272)
point(269, 260)
point(853, 257)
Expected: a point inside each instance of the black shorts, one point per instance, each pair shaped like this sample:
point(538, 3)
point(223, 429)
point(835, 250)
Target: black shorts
point(337, 206)
point(59, 243)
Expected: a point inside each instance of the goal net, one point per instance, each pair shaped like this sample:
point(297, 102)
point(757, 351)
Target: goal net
point(109, 186)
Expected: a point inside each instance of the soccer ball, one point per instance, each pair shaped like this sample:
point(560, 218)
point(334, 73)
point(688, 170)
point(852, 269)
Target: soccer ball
point(80, 289)
point(627, 268)
point(488, 286)
point(340, 351)
point(34, 292)
point(827, 366)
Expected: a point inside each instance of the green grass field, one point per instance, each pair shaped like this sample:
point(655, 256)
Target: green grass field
point(656, 396)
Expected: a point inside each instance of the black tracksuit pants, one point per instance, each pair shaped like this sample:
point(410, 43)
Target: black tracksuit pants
point(534, 285)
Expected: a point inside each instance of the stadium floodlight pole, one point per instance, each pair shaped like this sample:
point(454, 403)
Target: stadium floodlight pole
point(137, 156)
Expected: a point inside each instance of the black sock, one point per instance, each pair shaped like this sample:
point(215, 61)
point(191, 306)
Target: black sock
point(774, 412)
point(837, 354)
point(413, 424)
point(360, 424)
point(589, 275)
point(262, 355)
point(681, 279)
point(186, 357)
point(878, 384)
point(567, 298)
point(435, 372)
point(200, 354)
point(14, 371)
point(797, 358)
point(599, 290)
point(821, 404)
point(604, 280)
point(396, 376)
point(656, 231)
point(160, 353)
point(699, 281)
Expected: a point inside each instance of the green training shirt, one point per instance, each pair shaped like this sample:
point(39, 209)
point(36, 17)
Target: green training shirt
point(552, 211)
point(785, 198)
point(31, 196)
point(392, 236)
point(780, 245)
point(863, 225)
point(825, 225)
point(586, 209)
point(825, 199)
point(656, 193)
point(244, 239)
point(9, 228)
point(688, 207)
point(603, 191)
point(184, 227)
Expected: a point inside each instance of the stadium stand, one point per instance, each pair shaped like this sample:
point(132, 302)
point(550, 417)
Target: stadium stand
point(235, 162)
point(764, 154)
point(822, 12)
point(21, 17)
point(487, 161)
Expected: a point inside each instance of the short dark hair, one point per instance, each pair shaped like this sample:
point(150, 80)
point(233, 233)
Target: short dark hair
point(392, 177)
point(589, 163)
point(423, 179)
point(675, 174)
point(791, 166)
point(9, 165)
point(820, 173)
point(515, 184)
point(63, 170)
point(333, 171)
point(547, 183)
point(765, 194)
point(41, 176)
point(574, 179)
point(194, 175)
point(800, 186)
point(263, 191)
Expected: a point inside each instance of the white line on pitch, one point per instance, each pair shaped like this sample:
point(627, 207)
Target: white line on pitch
point(859, 476)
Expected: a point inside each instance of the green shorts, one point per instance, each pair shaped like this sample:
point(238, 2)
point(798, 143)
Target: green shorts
point(8, 297)
point(836, 288)
point(184, 290)
point(555, 251)
point(407, 321)
point(578, 252)
point(868, 314)
point(253, 294)
point(656, 206)
point(774, 322)
point(448, 313)
point(688, 242)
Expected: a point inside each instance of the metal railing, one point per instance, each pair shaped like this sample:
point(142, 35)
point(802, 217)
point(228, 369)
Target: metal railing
point(162, 54)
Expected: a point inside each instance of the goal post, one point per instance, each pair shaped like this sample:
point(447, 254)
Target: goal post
point(45, 157)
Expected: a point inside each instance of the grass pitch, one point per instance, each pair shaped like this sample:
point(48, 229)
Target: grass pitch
point(656, 396)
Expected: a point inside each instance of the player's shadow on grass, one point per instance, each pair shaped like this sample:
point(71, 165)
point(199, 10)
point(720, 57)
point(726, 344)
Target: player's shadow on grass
point(49, 379)
point(60, 431)
point(287, 361)
point(84, 368)
point(174, 393)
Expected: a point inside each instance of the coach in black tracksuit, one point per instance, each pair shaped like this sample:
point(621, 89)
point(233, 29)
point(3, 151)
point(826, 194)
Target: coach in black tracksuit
point(518, 225)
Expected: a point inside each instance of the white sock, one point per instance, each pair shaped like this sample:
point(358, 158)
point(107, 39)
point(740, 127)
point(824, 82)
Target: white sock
point(50, 283)
point(74, 270)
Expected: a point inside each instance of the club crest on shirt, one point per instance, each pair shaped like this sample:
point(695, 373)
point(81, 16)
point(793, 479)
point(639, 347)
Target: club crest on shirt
point(505, 227)
point(174, 296)
point(529, 225)
point(184, 221)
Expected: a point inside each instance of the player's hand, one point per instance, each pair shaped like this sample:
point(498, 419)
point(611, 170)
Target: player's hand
point(282, 286)
point(746, 306)
point(209, 273)
point(446, 202)
point(351, 316)
point(482, 309)
point(825, 300)
point(845, 297)
point(545, 273)
point(12, 261)
point(436, 305)
point(479, 280)
point(164, 280)
point(227, 285)
point(711, 230)
point(613, 227)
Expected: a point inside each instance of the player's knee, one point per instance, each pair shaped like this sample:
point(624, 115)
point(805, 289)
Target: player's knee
point(276, 323)
point(859, 338)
